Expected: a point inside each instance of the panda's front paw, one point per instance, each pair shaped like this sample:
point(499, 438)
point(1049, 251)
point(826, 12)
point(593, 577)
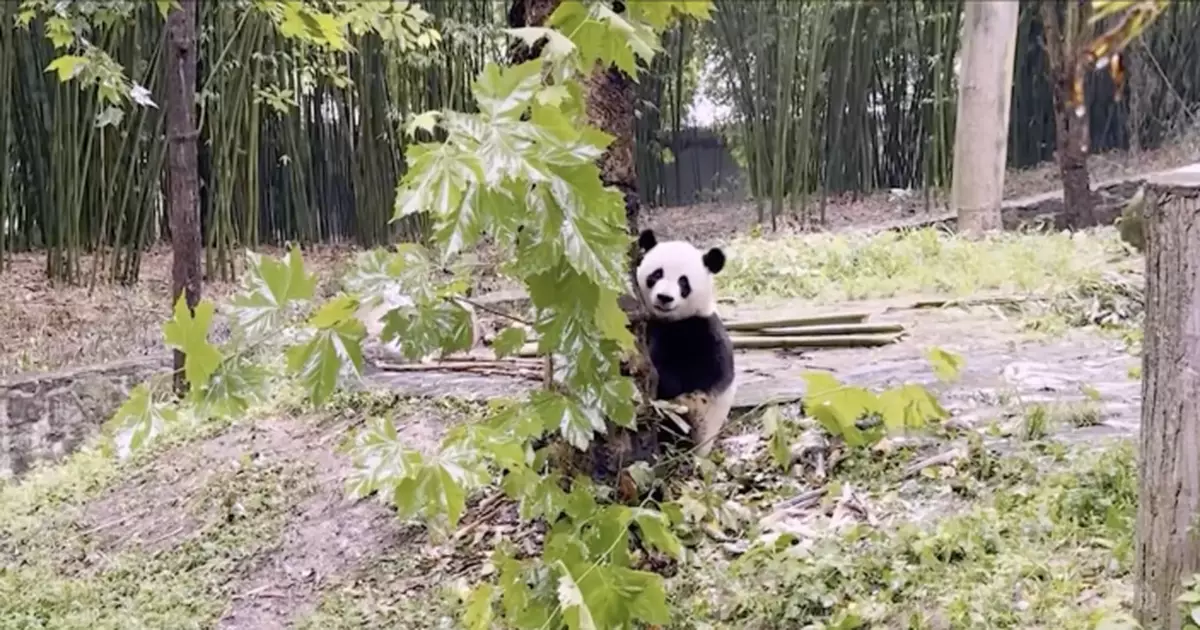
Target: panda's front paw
point(696, 403)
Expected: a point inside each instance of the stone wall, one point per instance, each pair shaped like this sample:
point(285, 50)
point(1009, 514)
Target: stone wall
point(44, 417)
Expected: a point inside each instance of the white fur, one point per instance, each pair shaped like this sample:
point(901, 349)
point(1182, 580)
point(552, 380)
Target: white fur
point(705, 433)
point(675, 259)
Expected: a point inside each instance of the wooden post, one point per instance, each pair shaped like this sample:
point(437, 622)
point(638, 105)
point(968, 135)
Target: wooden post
point(981, 127)
point(1167, 541)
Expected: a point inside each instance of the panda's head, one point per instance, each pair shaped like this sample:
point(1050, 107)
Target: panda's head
point(676, 279)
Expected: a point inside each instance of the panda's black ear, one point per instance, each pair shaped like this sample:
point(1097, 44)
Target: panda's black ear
point(714, 260)
point(647, 240)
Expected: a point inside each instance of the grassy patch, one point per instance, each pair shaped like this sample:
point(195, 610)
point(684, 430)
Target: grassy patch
point(1046, 549)
point(57, 577)
point(381, 598)
point(830, 267)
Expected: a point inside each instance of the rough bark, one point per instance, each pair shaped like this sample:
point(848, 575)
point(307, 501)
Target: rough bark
point(182, 164)
point(1065, 32)
point(610, 107)
point(1167, 547)
point(985, 95)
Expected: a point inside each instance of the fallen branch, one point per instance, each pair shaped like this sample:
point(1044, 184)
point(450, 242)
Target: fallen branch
point(830, 330)
point(815, 320)
point(941, 459)
point(833, 341)
point(977, 301)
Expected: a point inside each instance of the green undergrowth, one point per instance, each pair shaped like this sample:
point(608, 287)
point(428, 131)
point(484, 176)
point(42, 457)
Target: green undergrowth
point(831, 267)
point(61, 569)
point(1045, 542)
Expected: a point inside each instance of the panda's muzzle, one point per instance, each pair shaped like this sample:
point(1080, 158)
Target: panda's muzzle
point(664, 302)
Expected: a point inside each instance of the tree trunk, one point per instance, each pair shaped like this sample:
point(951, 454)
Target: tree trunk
point(182, 163)
point(1167, 548)
point(610, 107)
point(984, 100)
point(1064, 37)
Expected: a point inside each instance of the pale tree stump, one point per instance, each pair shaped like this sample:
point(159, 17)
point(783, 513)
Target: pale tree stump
point(1167, 540)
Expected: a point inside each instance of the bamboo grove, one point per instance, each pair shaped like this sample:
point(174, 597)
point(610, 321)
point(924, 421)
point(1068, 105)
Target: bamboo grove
point(299, 144)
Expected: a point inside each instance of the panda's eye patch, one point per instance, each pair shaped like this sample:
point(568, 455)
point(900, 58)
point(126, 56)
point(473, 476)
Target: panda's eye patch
point(654, 276)
point(685, 287)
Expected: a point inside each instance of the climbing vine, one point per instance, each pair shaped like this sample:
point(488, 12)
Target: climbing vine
point(525, 163)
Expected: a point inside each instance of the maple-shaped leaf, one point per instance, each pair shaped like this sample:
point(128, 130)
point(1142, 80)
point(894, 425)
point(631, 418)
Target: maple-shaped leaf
point(576, 611)
point(946, 364)
point(603, 36)
point(67, 67)
point(908, 406)
point(656, 530)
point(439, 486)
point(836, 406)
point(505, 91)
point(331, 352)
point(269, 287)
point(380, 458)
point(575, 422)
point(659, 14)
point(445, 328)
point(235, 385)
point(189, 333)
point(477, 614)
point(509, 341)
point(139, 420)
point(779, 442)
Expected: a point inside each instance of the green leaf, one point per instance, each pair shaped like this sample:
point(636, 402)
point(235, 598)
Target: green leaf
point(67, 66)
point(603, 36)
point(946, 365)
point(575, 610)
point(330, 353)
point(165, 6)
point(506, 91)
point(477, 614)
point(380, 458)
point(908, 406)
point(656, 530)
point(836, 406)
point(269, 287)
point(189, 333)
point(613, 322)
point(575, 422)
point(446, 327)
point(139, 420)
point(775, 429)
point(509, 341)
point(109, 117)
point(233, 387)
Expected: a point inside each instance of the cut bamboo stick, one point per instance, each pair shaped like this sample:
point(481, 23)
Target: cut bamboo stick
point(815, 320)
point(829, 330)
point(829, 341)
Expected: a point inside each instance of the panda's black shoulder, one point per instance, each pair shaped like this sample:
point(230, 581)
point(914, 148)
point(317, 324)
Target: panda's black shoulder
point(692, 354)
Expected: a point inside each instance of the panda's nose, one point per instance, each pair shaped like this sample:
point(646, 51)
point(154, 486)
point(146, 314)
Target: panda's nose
point(664, 298)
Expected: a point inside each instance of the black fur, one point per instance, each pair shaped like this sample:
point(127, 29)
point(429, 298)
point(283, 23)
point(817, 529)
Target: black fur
point(647, 240)
point(690, 355)
point(714, 260)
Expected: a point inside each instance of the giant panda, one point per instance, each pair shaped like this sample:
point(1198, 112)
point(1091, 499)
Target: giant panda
point(687, 341)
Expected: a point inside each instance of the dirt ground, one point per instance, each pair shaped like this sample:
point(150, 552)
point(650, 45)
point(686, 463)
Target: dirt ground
point(308, 557)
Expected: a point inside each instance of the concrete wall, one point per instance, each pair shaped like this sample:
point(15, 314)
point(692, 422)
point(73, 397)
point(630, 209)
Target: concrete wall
point(44, 417)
